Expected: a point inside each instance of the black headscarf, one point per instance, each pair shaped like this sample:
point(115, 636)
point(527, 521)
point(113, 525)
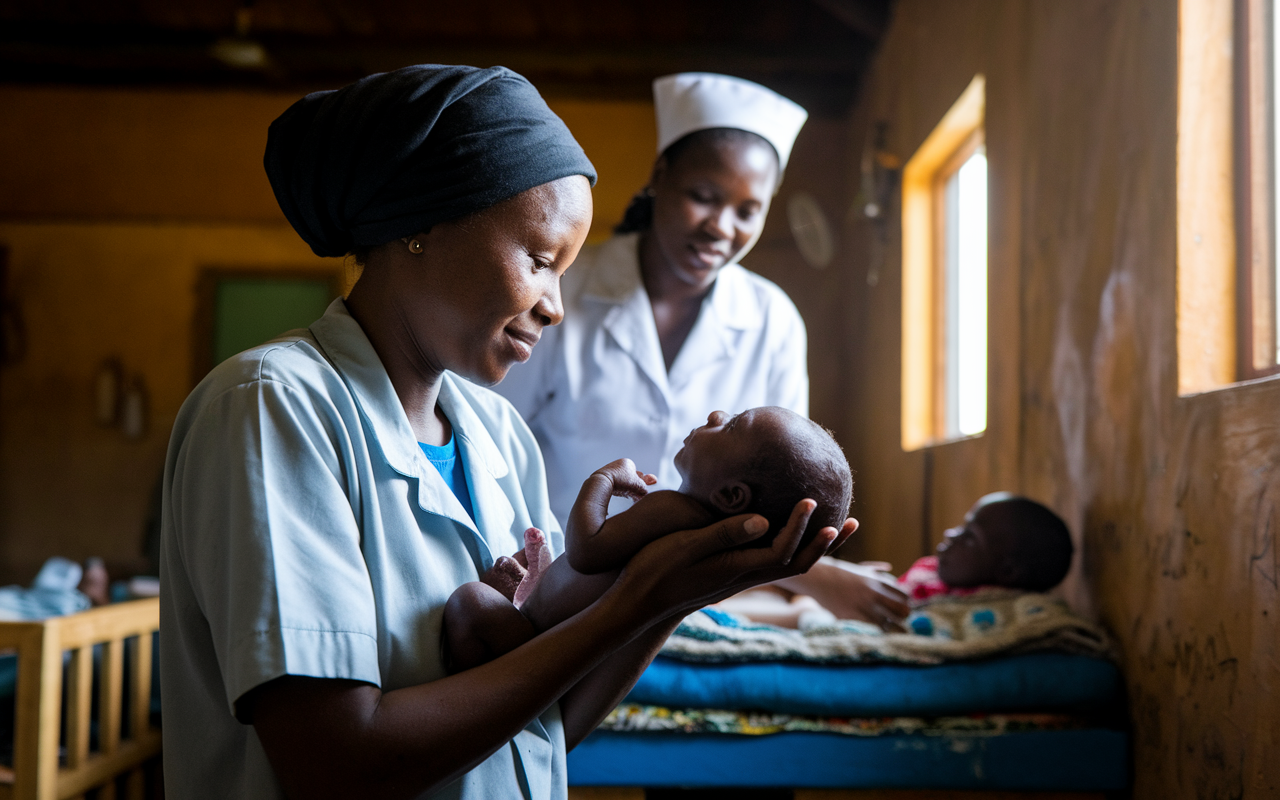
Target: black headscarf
point(398, 152)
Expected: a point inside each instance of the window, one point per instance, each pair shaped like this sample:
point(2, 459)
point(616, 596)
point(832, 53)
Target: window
point(1257, 112)
point(964, 281)
point(1228, 173)
point(944, 276)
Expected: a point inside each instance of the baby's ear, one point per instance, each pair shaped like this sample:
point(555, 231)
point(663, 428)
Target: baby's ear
point(733, 497)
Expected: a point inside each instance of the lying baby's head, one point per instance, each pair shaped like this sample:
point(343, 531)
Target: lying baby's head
point(764, 461)
point(1009, 541)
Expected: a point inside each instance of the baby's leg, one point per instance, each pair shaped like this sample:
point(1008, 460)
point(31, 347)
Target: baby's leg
point(562, 592)
point(480, 624)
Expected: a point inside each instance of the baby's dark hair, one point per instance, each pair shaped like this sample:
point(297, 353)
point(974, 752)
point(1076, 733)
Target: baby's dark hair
point(813, 467)
point(639, 214)
point(1042, 545)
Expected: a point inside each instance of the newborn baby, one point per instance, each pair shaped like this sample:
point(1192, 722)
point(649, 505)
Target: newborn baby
point(1005, 540)
point(762, 461)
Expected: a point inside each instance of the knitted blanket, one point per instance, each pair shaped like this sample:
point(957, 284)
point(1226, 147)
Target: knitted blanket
point(996, 622)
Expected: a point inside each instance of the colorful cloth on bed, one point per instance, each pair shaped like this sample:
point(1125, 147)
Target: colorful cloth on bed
point(991, 622)
point(632, 717)
point(922, 584)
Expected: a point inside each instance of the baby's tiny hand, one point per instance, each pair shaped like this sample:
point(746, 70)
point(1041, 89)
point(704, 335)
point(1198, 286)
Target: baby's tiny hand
point(625, 480)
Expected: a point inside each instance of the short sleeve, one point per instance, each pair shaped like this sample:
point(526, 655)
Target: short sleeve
point(262, 500)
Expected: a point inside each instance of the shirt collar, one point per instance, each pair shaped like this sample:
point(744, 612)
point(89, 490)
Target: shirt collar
point(613, 276)
point(353, 356)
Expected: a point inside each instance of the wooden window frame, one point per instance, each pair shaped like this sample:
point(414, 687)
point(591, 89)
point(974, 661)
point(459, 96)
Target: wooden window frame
point(1255, 192)
point(952, 142)
point(1226, 231)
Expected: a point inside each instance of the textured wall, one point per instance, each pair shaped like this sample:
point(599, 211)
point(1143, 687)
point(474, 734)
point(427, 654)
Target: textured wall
point(1172, 499)
point(116, 154)
point(89, 292)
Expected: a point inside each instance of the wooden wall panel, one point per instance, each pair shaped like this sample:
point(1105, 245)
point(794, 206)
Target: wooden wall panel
point(196, 156)
point(1172, 500)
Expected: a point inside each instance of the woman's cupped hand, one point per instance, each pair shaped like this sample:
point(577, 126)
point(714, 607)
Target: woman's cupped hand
point(686, 570)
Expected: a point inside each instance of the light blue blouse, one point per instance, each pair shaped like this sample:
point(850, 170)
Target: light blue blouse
point(305, 533)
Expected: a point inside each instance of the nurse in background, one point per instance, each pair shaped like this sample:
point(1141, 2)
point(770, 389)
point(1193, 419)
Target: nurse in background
point(662, 325)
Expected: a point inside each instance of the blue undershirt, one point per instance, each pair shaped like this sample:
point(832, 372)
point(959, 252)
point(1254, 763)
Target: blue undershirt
point(448, 462)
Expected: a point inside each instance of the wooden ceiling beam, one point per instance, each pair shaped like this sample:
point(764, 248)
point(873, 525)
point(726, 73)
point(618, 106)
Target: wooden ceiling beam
point(822, 76)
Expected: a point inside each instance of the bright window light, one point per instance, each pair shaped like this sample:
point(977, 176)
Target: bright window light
point(966, 298)
point(1275, 171)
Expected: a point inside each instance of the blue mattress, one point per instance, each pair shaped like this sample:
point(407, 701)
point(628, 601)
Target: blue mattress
point(1066, 760)
point(1032, 682)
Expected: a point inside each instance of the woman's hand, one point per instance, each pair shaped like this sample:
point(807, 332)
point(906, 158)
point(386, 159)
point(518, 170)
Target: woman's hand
point(684, 571)
point(865, 592)
point(673, 576)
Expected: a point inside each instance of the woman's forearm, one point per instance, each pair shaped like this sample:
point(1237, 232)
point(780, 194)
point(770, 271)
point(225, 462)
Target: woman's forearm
point(329, 738)
point(592, 698)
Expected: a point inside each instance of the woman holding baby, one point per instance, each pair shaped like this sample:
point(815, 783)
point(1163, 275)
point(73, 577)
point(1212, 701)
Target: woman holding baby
point(663, 326)
point(326, 492)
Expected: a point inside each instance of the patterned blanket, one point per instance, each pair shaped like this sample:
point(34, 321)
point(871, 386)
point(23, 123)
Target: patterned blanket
point(631, 717)
point(995, 622)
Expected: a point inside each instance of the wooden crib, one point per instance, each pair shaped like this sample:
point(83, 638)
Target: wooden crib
point(126, 738)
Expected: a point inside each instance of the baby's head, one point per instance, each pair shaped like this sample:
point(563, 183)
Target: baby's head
point(1006, 540)
point(764, 461)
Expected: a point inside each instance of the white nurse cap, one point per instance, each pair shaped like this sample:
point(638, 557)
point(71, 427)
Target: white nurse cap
point(695, 101)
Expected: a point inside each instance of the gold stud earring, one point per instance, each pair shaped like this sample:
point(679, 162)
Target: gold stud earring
point(415, 246)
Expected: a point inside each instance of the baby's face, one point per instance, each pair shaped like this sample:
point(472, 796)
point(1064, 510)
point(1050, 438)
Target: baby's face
point(973, 553)
point(720, 451)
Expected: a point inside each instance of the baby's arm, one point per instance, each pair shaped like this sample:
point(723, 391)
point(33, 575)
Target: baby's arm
point(615, 479)
point(596, 543)
point(563, 590)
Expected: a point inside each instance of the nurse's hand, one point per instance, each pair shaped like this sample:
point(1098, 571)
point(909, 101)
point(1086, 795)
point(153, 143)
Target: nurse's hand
point(865, 592)
point(684, 571)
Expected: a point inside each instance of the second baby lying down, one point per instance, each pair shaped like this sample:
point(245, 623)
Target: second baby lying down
point(763, 461)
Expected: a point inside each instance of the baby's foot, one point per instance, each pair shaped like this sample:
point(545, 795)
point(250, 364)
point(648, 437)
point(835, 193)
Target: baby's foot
point(505, 576)
point(538, 556)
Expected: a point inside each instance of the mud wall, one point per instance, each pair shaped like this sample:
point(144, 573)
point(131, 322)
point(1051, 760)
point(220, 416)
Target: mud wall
point(1172, 500)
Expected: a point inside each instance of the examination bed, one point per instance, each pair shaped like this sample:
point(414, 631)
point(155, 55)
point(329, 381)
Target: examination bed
point(1039, 721)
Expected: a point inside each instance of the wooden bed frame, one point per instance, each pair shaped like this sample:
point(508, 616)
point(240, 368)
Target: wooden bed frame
point(39, 715)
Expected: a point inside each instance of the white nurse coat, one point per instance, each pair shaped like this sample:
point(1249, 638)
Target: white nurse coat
point(597, 389)
point(305, 533)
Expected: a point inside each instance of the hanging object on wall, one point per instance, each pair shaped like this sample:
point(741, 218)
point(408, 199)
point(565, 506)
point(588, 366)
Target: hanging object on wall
point(107, 387)
point(133, 409)
point(239, 51)
point(879, 171)
point(119, 402)
point(810, 229)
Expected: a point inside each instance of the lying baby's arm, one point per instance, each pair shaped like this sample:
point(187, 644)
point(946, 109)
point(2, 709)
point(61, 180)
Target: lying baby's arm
point(596, 542)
